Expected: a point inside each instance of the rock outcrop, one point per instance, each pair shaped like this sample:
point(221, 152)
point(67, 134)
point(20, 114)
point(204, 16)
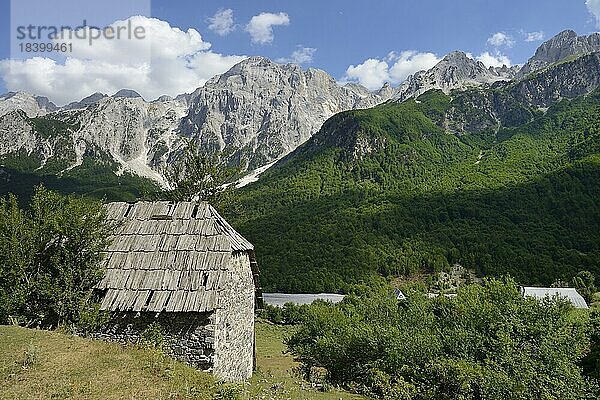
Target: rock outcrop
point(565, 44)
point(32, 105)
point(455, 71)
point(134, 135)
point(259, 110)
point(567, 80)
point(83, 103)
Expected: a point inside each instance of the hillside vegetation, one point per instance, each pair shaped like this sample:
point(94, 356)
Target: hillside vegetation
point(427, 183)
point(48, 365)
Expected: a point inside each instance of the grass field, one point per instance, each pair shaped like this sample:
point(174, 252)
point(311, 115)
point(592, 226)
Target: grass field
point(37, 364)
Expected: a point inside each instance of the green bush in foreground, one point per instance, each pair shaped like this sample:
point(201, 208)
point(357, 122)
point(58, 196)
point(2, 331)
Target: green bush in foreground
point(289, 314)
point(50, 258)
point(488, 343)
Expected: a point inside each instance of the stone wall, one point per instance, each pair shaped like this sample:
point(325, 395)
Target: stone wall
point(234, 322)
point(221, 341)
point(188, 336)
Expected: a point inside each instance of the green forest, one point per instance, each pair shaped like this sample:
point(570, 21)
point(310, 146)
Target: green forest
point(402, 188)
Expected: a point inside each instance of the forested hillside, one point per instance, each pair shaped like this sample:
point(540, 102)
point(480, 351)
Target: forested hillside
point(482, 178)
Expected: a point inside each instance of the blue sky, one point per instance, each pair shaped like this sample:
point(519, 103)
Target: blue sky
point(332, 35)
point(348, 32)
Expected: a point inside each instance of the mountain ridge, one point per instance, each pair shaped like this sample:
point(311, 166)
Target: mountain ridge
point(440, 179)
point(456, 70)
point(567, 43)
point(259, 111)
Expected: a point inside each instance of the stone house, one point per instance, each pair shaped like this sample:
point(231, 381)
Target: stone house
point(182, 266)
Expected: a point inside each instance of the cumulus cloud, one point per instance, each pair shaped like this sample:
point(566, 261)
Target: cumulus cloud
point(302, 55)
point(535, 36)
point(395, 68)
point(261, 26)
point(494, 60)
point(222, 22)
point(409, 62)
point(168, 61)
point(594, 8)
point(501, 39)
point(372, 73)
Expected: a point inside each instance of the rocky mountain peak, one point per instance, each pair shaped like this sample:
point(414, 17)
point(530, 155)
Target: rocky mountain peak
point(458, 64)
point(254, 71)
point(386, 90)
point(260, 110)
point(32, 105)
point(85, 102)
point(183, 97)
point(454, 71)
point(561, 46)
point(456, 57)
point(45, 104)
point(567, 34)
point(163, 98)
point(127, 93)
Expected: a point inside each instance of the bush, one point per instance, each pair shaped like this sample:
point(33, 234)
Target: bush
point(271, 313)
point(30, 356)
point(229, 392)
point(50, 257)
point(152, 337)
point(488, 342)
point(91, 318)
point(591, 363)
point(289, 314)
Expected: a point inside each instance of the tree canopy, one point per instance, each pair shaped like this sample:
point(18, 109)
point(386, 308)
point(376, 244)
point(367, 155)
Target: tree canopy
point(50, 257)
point(199, 174)
point(487, 343)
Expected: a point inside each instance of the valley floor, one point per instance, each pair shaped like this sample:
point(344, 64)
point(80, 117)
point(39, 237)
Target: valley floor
point(37, 364)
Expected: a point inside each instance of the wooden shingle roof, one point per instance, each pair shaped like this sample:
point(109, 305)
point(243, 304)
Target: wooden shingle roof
point(167, 257)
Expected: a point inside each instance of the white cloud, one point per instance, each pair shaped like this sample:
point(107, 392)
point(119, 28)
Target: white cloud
point(594, 8)
point(535, 36)
point(302, 55)
point(261, 26)
point(395, 68)
point(372, 73)
point(494, 60)
point(222, 22)
point(168, 61)
point(409, 62)
point(500, 39)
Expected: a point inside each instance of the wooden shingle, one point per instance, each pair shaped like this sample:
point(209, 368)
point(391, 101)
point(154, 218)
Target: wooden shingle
point(167, 257)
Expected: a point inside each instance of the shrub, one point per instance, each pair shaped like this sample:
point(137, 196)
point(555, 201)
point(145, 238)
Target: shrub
point(91, 318)
point(152, 337)
point(50, 257)
point(229, 392)
point(289, 314)
point(30, 356)
point(488, 342)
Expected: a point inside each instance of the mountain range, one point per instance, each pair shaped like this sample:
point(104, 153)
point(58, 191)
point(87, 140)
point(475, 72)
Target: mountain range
point(257, 112)
point(495, 169)
point(503, 180)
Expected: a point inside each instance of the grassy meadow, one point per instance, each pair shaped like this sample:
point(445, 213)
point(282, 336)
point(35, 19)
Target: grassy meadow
point(38, 364)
